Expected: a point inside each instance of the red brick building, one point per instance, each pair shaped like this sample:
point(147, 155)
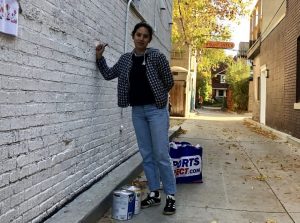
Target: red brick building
point(218, 81)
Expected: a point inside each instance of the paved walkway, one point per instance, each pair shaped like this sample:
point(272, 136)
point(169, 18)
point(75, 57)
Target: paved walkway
point(250, 175)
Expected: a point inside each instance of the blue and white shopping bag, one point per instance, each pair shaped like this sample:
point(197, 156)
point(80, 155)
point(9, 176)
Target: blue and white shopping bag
point(187, 162)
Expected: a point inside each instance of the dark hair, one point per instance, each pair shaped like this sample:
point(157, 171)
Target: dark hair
point(143, 24)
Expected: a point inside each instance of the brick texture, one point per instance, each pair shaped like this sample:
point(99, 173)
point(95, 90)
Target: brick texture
point(59, 120)
point(273, 56)
point(279, 52)
point(292, 116)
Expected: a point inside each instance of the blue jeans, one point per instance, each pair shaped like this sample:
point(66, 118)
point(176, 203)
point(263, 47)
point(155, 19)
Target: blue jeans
point(151, 128)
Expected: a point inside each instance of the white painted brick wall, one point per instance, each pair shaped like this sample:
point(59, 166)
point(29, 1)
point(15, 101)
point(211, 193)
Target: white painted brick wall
point(59, 120)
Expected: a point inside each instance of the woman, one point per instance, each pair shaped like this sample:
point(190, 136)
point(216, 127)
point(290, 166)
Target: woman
point(144, 82)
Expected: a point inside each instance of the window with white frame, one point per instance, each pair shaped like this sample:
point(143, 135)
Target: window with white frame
point(222, 78)
point(220, 93)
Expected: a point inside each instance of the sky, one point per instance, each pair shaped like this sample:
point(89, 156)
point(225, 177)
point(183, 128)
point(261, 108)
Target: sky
point(241, 32)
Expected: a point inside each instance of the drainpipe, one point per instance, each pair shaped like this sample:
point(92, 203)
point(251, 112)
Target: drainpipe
point(126, 26)
point(125, 44)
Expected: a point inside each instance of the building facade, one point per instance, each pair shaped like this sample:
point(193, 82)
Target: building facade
point(218, 81)
point(274, 54)
point(60, 127)
point(184, 70)
point(292, 69)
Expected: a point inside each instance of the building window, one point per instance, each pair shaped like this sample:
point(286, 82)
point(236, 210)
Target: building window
point(222, 79)
point(256, 16)
point(220, 93)
point(298, 72)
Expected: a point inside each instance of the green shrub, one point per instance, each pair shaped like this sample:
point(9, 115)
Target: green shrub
point(238, 78)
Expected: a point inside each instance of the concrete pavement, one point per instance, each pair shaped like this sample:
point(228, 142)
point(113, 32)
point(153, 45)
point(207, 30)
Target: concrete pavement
point(251, 175)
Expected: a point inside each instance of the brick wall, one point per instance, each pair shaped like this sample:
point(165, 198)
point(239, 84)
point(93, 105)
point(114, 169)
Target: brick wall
point(272, 55)
point(251, 96)
point(281, 61)
point(229, 100)
point(292, 116)
point(59, 123)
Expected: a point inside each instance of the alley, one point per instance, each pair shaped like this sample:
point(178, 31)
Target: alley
point(250, 175)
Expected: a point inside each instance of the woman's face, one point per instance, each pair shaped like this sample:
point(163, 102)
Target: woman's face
point(141, 39)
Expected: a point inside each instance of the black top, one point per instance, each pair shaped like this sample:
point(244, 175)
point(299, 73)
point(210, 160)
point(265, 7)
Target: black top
point(140, 92)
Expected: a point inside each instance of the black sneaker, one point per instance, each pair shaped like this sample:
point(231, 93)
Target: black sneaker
point(170, 205)
point(150, 200)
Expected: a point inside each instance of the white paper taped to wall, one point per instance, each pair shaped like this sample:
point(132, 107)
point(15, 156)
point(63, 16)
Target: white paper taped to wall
point(9, 11)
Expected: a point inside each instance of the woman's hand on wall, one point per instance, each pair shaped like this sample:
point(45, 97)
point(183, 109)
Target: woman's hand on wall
point(100, 49)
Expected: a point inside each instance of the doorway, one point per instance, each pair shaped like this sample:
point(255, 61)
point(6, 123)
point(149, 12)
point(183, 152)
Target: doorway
point(177, 98)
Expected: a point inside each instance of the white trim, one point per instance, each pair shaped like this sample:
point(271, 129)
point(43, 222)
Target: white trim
point(263, 71)
point(222, 78)
point(263, 94)
point(297, 105)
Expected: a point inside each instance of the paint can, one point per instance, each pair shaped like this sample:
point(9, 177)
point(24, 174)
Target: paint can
point(123, 204)
point(138, 197)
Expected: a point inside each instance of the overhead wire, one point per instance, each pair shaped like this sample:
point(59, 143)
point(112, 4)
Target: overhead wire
point(273, 17)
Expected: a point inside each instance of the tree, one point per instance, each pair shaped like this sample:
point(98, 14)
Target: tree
point(210, 58)
point(204, 85)
point(237, 76)
point(197, 21)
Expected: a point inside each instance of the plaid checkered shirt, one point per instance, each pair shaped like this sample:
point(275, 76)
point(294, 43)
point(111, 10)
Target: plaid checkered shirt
point(158, 73)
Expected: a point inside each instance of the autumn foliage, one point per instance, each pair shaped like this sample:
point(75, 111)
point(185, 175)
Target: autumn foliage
point(197, 21)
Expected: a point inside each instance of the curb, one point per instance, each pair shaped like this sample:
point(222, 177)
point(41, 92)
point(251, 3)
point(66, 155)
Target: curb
point(286, 137)
point(174, 132)
point(92, 204)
